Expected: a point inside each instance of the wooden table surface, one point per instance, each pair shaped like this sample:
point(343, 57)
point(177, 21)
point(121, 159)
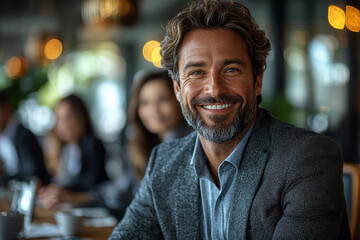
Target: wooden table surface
point(47, 216)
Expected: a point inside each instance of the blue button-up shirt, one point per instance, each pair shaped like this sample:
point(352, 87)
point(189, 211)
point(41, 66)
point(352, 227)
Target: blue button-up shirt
point(216, 203)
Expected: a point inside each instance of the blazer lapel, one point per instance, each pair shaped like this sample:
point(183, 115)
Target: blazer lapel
point(187, 203)
point(250, 172)
point(188, 219)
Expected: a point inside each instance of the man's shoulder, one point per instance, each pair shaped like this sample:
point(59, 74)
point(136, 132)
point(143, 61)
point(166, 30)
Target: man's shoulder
point(288, 141)
point(173, 155)
point(178, 145)
point(282, 131)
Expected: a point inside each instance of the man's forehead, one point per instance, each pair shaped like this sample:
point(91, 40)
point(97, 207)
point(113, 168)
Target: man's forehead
point(203, 46)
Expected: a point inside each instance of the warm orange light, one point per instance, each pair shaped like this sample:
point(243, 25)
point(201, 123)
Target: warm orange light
point(352, 18)
point(156, 57)
point(125, 7)
point(13, 67)
point(108, 8)
point(336, 17)
point(101, 13)
point(149, 48)
point(53, 49)
point(16, 67)
point(113, 9)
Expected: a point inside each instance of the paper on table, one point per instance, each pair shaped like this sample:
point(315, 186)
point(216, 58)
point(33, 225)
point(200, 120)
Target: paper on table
point(96, 217)
point(67, 238)
point(91, 212)
point(100, 222)
point(42, 230)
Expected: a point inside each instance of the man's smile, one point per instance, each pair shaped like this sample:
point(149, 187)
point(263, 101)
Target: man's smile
point(217, 106)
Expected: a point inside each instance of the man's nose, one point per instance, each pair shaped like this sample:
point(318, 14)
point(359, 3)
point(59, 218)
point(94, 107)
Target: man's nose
point(215, 85)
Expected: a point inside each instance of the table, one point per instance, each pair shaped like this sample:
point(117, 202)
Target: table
point(42, 215)
point(45, 215)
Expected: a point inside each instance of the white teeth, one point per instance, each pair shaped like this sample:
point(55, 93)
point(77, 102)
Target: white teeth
point(217, 106)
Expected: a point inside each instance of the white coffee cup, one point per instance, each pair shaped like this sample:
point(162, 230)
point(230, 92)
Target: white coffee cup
point(68, 223)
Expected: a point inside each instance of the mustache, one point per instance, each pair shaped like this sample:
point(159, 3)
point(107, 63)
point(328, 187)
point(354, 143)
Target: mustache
point(221, 99)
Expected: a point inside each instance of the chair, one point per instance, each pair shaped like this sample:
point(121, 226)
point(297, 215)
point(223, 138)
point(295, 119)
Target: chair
point(351, 178)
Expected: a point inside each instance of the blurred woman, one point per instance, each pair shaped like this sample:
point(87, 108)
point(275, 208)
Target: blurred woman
point(79, 158)
point(154, 116)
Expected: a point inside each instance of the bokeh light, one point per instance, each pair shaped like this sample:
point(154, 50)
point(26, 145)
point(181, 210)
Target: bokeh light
point(16, 67)
point(114, 8)
point(53, 49)
point(109, 107)
point(13, 67)
point(39, 119)
point(149, 48)
point(156, 57)
point(352, 18)
point(102, 12)
point(336, 17)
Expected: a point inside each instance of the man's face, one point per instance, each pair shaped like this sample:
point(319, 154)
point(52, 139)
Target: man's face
point(217, 90)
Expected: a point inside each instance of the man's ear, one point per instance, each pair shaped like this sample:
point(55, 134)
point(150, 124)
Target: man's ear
point(176, 89)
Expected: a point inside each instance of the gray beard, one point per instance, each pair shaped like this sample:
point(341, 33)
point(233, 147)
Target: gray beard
point(219, 133)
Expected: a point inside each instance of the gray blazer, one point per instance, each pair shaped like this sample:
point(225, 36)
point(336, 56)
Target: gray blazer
point(289, 186)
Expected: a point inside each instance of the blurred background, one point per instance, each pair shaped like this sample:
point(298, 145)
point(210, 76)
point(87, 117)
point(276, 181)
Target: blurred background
point(96, 48)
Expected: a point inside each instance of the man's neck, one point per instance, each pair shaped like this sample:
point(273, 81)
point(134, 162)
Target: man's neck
point(218, 152)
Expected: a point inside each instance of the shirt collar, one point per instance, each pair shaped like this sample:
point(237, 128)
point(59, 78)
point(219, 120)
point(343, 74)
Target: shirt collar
point(236, 156)
point(199, 158)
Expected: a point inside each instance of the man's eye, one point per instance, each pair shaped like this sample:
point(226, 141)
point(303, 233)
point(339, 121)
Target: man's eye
point(196, 72)
point(232, 70)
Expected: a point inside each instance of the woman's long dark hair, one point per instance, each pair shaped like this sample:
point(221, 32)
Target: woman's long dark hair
point(79, 108)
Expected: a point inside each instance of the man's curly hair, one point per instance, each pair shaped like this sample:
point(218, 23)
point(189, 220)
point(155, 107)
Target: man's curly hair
point(213, 14)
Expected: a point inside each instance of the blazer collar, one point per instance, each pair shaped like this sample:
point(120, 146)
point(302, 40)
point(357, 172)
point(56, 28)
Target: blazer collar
point(188, 213)
point(250, 172)
point(187, 201)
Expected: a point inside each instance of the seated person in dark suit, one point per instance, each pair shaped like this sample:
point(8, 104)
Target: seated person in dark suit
point(21, 156)
point(80, 156)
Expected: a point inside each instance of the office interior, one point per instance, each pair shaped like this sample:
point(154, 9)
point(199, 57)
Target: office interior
point(97, 48)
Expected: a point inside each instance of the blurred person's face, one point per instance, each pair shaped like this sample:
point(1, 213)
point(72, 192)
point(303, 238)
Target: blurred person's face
point(158, 109)
point(217, 90)
point(69, 126)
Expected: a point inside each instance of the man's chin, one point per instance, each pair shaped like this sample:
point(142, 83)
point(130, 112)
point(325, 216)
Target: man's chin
point(223, 119)
point(219, 137)
point(217, 123)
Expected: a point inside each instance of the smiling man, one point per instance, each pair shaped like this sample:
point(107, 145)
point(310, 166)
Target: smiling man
point(243, 174)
